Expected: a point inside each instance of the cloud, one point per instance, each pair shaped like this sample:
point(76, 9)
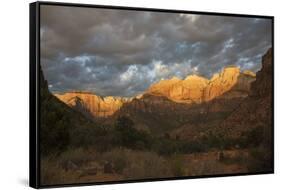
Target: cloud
point(114, 52)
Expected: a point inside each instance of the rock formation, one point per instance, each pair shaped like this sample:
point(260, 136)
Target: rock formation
point(197, 89)
point(92, 105)
point(230, 83)
point(57, 121)
point(256, 110)
point(232, 102)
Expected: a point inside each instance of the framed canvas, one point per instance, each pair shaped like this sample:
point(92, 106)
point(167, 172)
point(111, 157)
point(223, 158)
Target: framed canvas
point(122, 94)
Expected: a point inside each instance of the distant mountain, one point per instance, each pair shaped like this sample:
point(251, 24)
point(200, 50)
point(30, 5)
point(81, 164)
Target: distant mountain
point(193, 89)
point(229, 104)
point(91, 104)
point(189, 90)
point(197, 89)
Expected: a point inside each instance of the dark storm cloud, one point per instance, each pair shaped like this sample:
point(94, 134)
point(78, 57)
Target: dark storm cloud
point(120, 53)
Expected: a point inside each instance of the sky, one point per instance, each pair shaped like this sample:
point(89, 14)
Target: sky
point(121, 53)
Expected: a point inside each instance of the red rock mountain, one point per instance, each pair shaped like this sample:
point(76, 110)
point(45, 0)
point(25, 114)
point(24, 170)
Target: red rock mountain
point(91, 104)
point(245, 106)
point(230, 83)
point(197, 89)
point(256, 110)
point(189, 90)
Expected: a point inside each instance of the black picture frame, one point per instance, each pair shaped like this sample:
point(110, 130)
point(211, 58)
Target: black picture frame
point(34, 92)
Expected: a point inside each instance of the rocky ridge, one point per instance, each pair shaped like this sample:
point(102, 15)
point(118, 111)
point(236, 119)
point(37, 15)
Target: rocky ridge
point(257, 107)
point(91, 104)
point(197, 89)
point(230, 83)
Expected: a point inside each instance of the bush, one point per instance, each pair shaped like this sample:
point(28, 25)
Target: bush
point(78, 156)
point(136, 164)
point(117, 157)
point(166, 147)
point(253, 137)
point(53, 174)
point(146, 165)
point(177, 166)
point(128, 136)
point(54, 129)
point(260, 160)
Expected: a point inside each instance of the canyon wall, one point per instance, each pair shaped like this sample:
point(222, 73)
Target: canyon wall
point(91, 104)
point(230, 83)
point(197, 89)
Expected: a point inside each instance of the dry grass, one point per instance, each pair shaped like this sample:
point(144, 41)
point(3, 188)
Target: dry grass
point(126, 164)
point(88, 166)
point(137, 164)
point(52, 173)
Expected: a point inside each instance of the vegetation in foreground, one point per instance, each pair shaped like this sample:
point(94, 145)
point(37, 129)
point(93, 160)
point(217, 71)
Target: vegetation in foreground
point(93, 153)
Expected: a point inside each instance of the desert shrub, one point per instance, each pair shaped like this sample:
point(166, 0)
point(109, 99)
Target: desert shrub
point(177, 165)
point(78, 156)
point(205, 167)
point(54, 129)
point(117, 157)
point(188, 147)
point(52, 173)
point(211, 140)
point(253, 137)
point(146, 165)
point(85, 136)
point(127, 136)
point(166, 147)
point(260, 160)
point(241, 158)
point(134, 164)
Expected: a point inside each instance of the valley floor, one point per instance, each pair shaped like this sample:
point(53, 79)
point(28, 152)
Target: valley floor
point(82, 166)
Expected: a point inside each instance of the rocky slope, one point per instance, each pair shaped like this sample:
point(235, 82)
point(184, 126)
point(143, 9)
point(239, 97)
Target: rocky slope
point(256, 110)
point(159, 115)
point(231, 82)
point(58, 122)
point(227, 105)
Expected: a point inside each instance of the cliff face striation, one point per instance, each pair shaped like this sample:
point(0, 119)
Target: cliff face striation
point(92, 105)
point(197, 89)
point(230, 83)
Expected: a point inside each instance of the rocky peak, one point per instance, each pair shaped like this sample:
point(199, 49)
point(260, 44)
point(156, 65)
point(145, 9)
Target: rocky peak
point(195, 79)
point(264, 84)
point(229, 74)
point(249, 73)
point(230, 82)
point(197, 89)
point(175, 79)
point(92, 104)
point(222, 82)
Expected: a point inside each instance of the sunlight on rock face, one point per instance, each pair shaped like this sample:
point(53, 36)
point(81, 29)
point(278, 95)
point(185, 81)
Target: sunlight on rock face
point(192, 89)
point(197, 89)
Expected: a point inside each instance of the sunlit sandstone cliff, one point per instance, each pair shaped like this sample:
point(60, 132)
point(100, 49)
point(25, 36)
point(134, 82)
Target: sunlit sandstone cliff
point(230, 83)
point(91, 104)
point(197, 89)
point(189, 90)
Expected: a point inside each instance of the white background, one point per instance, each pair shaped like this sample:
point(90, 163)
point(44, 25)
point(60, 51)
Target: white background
point(14, 39)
